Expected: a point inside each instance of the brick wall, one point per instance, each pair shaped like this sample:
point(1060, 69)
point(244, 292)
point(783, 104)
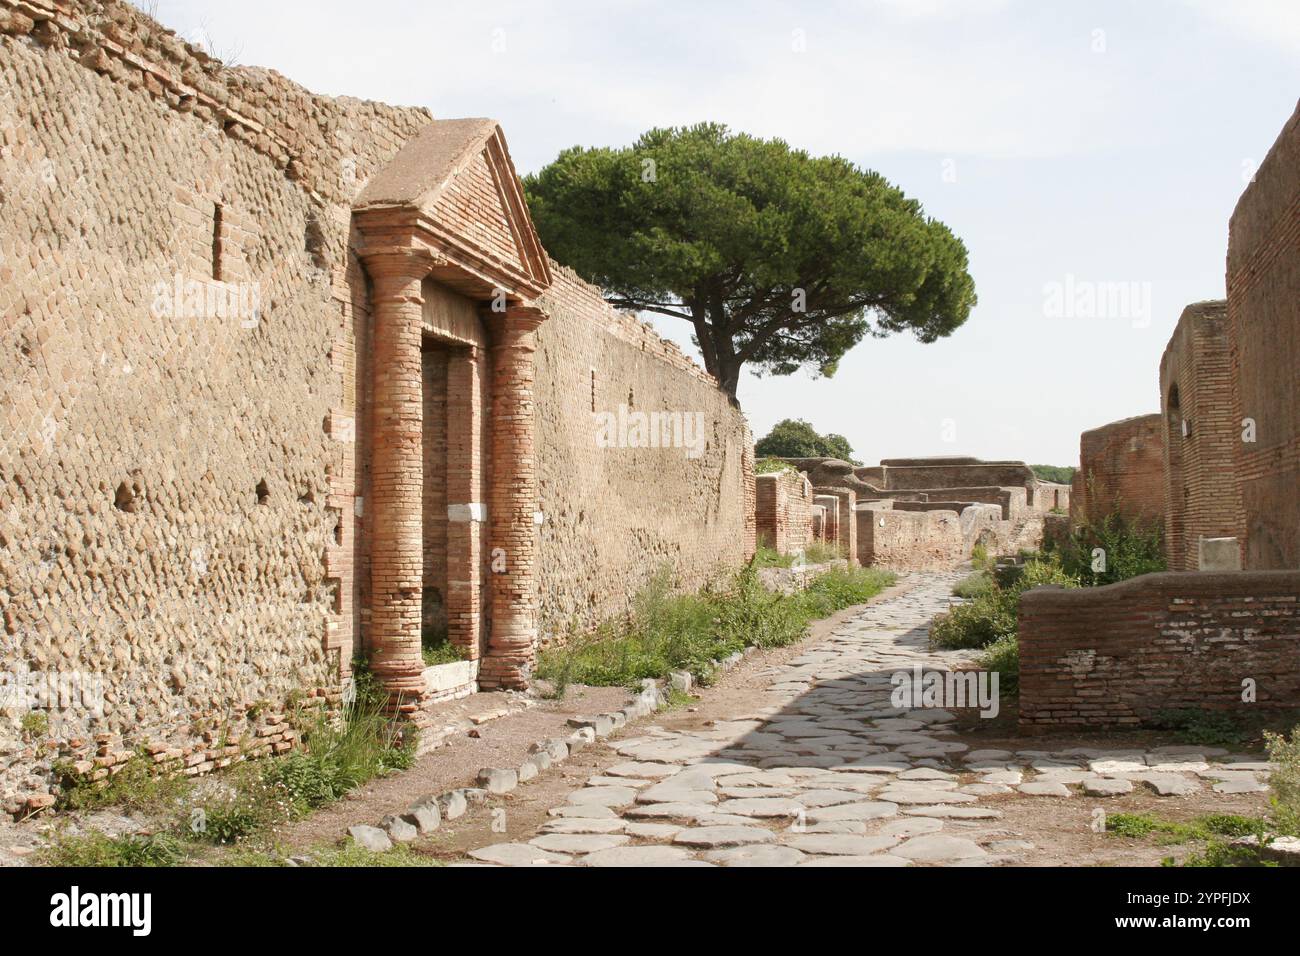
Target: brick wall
point(783, 511)
point(1117, 655)
point(1264, 340)
point(176, 510)
point(1121, 470)
point(1202, 499)
point(909, 540)
point(614, 515)
point(182, 487)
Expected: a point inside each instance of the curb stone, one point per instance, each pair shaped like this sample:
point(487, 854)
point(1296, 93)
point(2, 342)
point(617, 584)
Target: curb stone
point(426, 814)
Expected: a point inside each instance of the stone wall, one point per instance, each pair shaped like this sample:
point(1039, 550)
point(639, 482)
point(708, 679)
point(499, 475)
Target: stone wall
point(612, 516)
point(181, 326)
point(185, 387)
point(1121, 471)
point(1202, 499)
point(1115, 656)
point(783, 511)
point(909, 540)
point(918, 474)
point(1264, 341)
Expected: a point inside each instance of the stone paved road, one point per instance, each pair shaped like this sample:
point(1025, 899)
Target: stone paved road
point(830, 773)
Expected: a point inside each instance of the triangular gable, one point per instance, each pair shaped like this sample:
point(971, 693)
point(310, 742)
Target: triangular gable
point(458, 178)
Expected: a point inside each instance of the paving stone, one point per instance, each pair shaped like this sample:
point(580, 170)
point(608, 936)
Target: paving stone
point(984, 789)
point(1170, 784)
point(1038, 788)
point(867, 810)
point(643, 769)
point(926, 773)
point(828, 826)
point(881, 859)
point(955, 813)
point(587, 811)
point(911, 827)
point(1105, 787)
point(651, 831)
point(937, 848)
point(579, 825)
point(637, 856)
point(713, 837)
point(917, 796)
point(518, 854)
point(579, 842)
point(1242, 783)
point(603, 796)
point(761, 807)
point(839, 843)
point(671, 811)
point(756, 855)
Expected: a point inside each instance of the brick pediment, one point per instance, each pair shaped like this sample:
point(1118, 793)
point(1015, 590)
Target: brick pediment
point(454, 181)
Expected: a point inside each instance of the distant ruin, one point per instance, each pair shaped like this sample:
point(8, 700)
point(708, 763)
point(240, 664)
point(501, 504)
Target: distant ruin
point(918, 513)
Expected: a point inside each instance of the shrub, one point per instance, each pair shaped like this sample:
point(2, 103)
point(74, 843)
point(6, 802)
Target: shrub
point(1202, 727)
point(340, 754)
point(1129, 549)
point(819, 553)
point(766, 557)
point(436, 649)
point(1285, 780)
point(99, 850)
point(992, 616)
point(138, 785)
point(974, 585)
point(1003, 656)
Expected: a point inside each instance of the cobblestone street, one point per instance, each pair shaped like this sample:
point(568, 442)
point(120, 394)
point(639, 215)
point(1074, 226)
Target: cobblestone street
point(829, 773)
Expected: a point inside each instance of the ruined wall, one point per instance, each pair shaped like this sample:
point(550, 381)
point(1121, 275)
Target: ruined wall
point(613, 515)
point(183, 466)
point(1264, 341)
point(1202, 499)
point(783, 511)
point(178, 369)
point(1121, 470)
point(919, 474)
point(1119, 654)
point(909, 540)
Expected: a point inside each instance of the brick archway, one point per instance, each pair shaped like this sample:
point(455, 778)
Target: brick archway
point(415, 231)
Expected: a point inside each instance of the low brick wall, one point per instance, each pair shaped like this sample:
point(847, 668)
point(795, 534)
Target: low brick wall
point(1117, 655)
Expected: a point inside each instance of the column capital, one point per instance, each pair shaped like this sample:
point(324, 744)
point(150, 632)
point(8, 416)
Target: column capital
point(517, 319)
point(398, 261)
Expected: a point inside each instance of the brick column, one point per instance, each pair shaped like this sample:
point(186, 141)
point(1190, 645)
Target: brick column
point(512, 502)
point(397, 476)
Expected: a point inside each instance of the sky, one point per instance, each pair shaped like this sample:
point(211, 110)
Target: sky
point(1088, 154)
